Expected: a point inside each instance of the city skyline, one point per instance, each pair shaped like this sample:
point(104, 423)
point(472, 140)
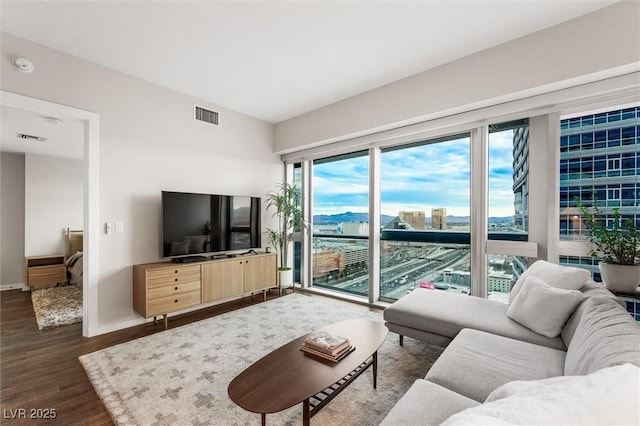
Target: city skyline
point(418, 178)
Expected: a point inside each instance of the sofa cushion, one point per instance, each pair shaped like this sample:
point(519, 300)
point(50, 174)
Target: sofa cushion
point(542, 308)
point(475, 363)
point(443, 313)
point(606, 335)
point(590, 289)
point(606, 397)
point(564, 277)
point(426, 403)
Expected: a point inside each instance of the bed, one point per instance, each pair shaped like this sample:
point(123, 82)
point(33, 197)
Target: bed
point(74, 256)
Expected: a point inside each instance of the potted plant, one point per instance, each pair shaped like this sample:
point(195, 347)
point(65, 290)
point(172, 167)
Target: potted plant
point(618, 244)
point(286, 200)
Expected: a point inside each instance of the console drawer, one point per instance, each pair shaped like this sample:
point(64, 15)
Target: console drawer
point(155, 292)
point(180, 278)
point(163, 305)
point(171, 272)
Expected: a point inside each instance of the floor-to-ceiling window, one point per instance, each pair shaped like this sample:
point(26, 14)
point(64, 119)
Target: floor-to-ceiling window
point(340, 237)
point(426, 237)
point(508, 202)
point(425, 217)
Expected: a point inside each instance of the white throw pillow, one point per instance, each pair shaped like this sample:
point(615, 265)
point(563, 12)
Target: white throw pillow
point(606, 397)
point(565, 277)
point(542, 308)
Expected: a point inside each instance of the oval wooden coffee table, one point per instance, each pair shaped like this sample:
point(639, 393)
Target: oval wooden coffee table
point(288, 376)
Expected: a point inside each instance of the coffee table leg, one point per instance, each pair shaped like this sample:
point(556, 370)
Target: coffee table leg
point(375, 369)
point(305, 413)
point(264, 419)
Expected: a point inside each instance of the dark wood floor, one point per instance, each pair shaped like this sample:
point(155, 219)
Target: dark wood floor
point(40, 369)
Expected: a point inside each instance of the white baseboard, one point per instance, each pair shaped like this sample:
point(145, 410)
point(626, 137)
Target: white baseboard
point(17, 286)
point(108, 328)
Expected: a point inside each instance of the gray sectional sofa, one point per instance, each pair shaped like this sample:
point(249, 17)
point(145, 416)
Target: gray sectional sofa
point(486, 350)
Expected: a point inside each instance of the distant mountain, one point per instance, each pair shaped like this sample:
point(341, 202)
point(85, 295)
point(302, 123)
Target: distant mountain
point(324, 219)
point(328, 219)
point(467, 219)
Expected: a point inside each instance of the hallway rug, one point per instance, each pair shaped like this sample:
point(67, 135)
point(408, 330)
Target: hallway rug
point(180, 376)
point(57, 306)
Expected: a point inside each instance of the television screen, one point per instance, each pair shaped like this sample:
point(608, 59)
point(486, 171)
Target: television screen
point(196, 224)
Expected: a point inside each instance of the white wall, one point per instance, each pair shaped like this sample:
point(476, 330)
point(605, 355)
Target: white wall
point(149, 142)
point(588, 48)
point(12, 220)
point(53, 200)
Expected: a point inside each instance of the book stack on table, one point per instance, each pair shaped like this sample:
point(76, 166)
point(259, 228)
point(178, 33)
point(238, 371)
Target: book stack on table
point(327, 346)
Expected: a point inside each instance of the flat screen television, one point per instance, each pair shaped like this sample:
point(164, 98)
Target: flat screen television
point(201, 224)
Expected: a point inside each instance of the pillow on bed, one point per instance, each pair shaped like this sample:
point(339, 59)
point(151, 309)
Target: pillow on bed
point(73, 259)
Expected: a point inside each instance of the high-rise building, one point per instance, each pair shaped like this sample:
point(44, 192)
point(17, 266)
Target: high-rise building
point(521, 178)
point(599, 157)
point(599, 154)
point(355, 228)
point(439, 219)
point(416, 219)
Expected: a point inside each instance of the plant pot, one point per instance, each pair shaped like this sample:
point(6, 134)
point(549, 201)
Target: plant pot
point(285, 278)
point(620, 278)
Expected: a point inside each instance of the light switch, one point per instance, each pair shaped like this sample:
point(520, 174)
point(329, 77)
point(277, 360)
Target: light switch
point(107, 228)
point(119, 227)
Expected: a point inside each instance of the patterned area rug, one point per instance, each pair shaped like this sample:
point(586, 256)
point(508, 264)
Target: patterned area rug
point(56, 306)
point(180, 376)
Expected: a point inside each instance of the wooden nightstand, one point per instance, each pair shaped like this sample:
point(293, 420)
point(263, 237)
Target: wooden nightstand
point(45, 271)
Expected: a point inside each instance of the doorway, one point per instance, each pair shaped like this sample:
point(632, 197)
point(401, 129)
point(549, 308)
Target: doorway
point(89, 122)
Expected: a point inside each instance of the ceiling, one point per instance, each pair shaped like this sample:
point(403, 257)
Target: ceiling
point(275, 60)
point(64, 137)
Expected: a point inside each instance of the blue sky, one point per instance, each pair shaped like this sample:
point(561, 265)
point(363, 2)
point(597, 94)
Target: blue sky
point(418, 178)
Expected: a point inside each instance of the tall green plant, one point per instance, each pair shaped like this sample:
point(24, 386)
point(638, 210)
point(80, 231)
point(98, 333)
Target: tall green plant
point(286, 200)
point(619, 243)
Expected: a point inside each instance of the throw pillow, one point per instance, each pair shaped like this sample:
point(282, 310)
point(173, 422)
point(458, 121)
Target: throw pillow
point(565, 277)
point(606, 397)
point(542, 308)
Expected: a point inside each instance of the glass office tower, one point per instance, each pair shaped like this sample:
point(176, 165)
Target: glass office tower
point(599, 162)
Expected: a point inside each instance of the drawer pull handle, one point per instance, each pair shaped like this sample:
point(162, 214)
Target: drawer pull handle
point(176, 288)
point(175, 279)
point(176, 301)
point(175, 272)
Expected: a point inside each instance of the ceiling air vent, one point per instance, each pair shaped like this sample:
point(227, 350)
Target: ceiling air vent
point(206, 115)
point(26, 137)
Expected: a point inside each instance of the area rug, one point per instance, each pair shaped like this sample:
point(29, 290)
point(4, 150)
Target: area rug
point(180, 376)
point(57, 306)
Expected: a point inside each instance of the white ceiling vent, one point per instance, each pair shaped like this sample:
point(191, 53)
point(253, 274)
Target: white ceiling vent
point(206, 115)
point(26, 137)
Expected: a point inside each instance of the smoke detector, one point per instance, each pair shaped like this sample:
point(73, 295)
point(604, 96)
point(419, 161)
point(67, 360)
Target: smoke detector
point(52, 120)
point(23, 64)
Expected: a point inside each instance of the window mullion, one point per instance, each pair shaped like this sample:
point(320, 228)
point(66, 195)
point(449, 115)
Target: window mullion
point(307, 211)
point(374, 225)
point(478, 222)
